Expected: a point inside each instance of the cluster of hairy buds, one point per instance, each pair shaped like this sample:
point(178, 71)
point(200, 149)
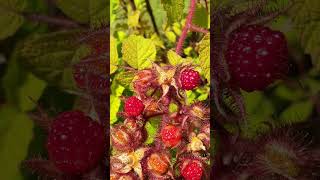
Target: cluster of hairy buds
point(185, 130)
point(284, 153)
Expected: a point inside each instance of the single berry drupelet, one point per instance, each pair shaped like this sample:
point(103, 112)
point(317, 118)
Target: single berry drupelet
point(171, 135)
point(133, 107)
point(192, 171)
point(256, 57)
point(75, 142)
point(189, 79)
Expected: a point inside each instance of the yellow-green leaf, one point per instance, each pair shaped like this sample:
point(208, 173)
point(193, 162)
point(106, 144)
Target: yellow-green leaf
point(10, 17)
point(204, 55)
point(113, 55)
point(31, 88)
point(14, 141)
point(297, 112)
point(138, 52)
point(174, 9)
point(175, 59)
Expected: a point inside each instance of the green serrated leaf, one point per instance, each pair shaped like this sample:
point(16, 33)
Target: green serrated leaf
point(138, 52)
point(47, 55)
point(75, 9)
point(124, 78)
point(174, 58)
point(297, 112)
point(113, 55)
point(174, 9)
point(10, 16)
point(204, 56)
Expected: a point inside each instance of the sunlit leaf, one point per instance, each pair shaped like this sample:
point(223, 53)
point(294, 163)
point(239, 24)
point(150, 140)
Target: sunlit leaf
point(138, 52)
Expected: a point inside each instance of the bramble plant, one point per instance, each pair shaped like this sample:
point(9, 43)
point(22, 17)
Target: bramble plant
point(159, 58)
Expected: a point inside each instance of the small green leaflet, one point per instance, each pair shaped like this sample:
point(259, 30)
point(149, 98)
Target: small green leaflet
point(174, 9)
point(115, 101)
point(152, 128)
point(14, 141)
point(201, 16)
point(175, 59)
point(307, 18)
point(204, 55)
point(125, 78)
point(32, 88)
point(113, 55)
point(158, 11)
point(138, 52)
point(297, 112)
point(10, 19)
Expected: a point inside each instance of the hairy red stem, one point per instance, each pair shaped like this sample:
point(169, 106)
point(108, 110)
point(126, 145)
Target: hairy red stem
point(52, 20)
point(195, 28)
point(186, 27)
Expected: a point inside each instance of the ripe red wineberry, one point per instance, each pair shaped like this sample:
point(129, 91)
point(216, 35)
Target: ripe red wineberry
point(75, 142)
point(192, 171)
point(189, 79)
point(171, 135)
point(256, 56)
point(133, 107)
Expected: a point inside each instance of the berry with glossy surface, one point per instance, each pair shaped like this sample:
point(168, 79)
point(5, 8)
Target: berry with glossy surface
point(133, 107)
point(75, 142)
point(189, 79)
point(171, 135)
point(192, 171)
point(256, 56)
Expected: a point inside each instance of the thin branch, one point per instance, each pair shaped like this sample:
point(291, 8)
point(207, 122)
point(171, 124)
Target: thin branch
point(133, 5)
point(51, 20)
point(195, 28)
point(149, 9)
point(186, 27)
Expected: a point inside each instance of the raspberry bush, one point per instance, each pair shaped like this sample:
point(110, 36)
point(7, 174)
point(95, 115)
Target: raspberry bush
point(160, 78)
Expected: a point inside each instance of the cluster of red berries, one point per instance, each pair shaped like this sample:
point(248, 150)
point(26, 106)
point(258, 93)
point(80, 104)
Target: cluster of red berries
point(186, 130)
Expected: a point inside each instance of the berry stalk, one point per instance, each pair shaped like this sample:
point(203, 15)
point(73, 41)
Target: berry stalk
point(186, 27)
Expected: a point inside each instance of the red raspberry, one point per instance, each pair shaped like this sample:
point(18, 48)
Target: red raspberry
point(171, 135)
point(192, 171)
point(256, 56)
point(189, 79)
point(133, 107)
point(75, 142)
